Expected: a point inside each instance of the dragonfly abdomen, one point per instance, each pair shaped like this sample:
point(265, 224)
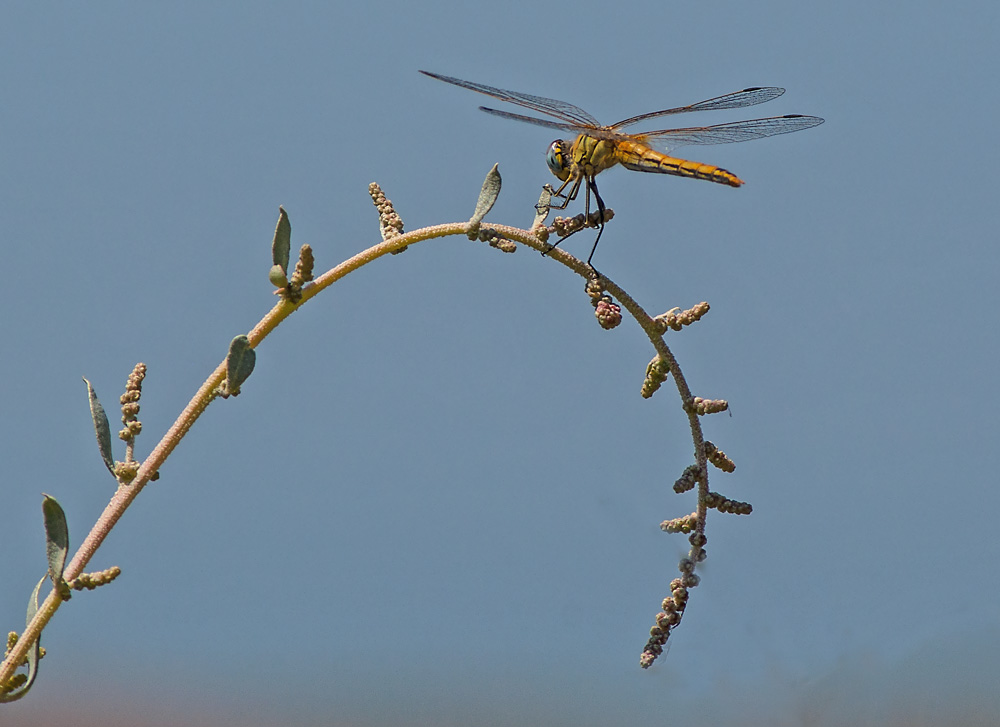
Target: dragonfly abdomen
point(641, 158)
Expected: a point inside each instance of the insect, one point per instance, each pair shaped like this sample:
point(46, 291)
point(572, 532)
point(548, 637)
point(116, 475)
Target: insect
point(596, 147)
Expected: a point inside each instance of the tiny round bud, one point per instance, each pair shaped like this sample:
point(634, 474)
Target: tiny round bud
point(609, 314)
point(278, 277)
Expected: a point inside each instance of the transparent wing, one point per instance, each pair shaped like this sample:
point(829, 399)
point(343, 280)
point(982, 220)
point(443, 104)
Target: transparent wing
point(566, 112)
point(561, 126)
point(731, 133)
point(735, 100)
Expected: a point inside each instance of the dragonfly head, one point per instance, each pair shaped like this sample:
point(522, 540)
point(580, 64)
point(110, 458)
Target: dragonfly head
point(555, 157)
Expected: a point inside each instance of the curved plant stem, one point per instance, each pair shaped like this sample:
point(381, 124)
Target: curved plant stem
point(209, 390)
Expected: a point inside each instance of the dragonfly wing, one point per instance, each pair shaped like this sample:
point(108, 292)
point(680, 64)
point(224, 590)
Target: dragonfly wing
point(547, 123)
point(559, 109)
point(736, 100)
point(730, 133)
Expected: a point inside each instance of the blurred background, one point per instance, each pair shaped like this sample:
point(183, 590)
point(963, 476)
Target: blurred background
point(437, 500)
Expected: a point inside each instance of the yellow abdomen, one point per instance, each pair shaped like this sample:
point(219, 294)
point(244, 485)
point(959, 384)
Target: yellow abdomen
point(641, 158)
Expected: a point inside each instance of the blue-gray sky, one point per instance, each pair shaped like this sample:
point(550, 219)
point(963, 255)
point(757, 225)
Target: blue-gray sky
point(437, 501)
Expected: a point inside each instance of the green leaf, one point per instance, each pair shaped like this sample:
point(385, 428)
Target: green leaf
point(488, 195)
point(101, 428)
point(239, 364)
point(56, 536)
point(56, 543)
point(282, 240)
point(33, 655)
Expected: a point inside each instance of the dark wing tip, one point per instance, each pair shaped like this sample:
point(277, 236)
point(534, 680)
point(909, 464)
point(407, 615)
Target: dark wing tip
point(816, 120)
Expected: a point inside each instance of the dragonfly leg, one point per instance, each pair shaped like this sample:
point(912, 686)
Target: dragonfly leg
point(567, 198)
point(592, 185)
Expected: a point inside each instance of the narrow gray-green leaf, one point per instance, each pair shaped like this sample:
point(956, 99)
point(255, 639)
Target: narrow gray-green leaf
point(282, 240)
point(239, 363)
point(101, 428)
point(487, 196)
point(56, 537)
point(33, 655)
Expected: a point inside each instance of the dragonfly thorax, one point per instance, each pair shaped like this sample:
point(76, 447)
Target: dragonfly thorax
point(592, 155)
point(556, 158)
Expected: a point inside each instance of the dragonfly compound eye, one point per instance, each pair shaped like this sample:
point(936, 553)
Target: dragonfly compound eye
point(556, 159)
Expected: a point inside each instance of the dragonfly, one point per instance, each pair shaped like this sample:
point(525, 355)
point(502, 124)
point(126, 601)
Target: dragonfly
point(597, 147)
